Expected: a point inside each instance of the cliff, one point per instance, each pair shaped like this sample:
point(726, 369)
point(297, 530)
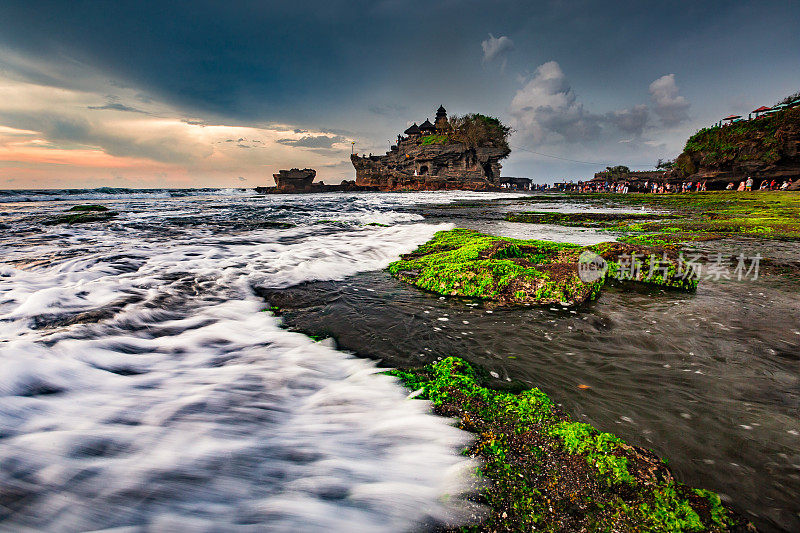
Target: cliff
point(767, 147)
point(457, 153)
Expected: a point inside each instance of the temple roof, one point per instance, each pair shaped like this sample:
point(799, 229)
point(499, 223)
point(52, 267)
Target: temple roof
point(441, 110)
point(427, 126)
point(412, 130)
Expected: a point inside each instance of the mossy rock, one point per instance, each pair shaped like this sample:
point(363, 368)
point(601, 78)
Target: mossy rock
point(507, 271)
point(81, 217)
point(89, 207)
point(582, 219)
point(549, 473)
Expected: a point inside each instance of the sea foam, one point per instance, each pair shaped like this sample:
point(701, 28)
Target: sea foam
point(143, 386)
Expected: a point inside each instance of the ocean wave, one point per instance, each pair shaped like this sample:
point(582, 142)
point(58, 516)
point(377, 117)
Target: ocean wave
point(156, 394)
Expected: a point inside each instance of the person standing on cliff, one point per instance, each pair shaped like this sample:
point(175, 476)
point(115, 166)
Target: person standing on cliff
point(748, 185)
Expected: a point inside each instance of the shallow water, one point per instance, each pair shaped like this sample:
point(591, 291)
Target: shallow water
point(142, 386)
point(710, 381)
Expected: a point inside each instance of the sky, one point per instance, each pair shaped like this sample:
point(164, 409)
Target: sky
point(224, 94)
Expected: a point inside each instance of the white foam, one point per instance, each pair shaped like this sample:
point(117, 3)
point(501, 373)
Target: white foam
point(140, 385)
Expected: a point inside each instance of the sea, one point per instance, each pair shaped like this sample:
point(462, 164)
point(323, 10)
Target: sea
point(213, 360)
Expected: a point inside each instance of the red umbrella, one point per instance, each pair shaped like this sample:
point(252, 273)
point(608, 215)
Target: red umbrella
point(732, 117)
point(761, 109)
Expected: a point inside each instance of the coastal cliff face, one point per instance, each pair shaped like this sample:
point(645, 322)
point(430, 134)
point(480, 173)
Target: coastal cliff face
point(412, 165)
point(456, 153)
point(764, 148)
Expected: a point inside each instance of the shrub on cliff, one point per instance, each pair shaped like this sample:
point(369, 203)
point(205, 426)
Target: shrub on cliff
point(789, 99)
point(476, 130)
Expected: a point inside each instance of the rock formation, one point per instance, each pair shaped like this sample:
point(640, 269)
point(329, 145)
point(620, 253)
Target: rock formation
point(295, 180)
point(765, 148)
point(461, 153)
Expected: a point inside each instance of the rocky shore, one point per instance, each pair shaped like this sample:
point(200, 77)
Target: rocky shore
point(518, 272)
point(547, 472)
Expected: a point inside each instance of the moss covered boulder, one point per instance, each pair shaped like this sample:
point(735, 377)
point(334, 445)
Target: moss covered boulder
point(79, 214)
point(546, 472)
point(467, 263)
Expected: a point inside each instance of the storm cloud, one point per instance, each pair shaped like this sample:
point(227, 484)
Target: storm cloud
point(186, 75)
point(547, 107)
point(314, 141)
point(631, 121)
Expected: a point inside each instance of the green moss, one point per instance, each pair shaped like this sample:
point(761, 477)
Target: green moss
point(434, 139)
point(711, 215)
point(608, 220)
point(88, 207)
point(466, 263)
point(81, 217)
point(548, 473)
point(598, 448)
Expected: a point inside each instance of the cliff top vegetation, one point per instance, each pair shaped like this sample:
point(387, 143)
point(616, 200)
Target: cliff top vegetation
point(748, 140)
point(476, 130)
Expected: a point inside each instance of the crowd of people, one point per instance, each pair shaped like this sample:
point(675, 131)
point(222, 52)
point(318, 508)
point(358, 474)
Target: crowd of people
point(663, 187)
point(766, 185)
point(624, 187)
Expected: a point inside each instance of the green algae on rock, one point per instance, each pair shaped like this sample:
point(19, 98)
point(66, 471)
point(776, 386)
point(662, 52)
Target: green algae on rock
point(773, 215)
point(582, 219)
point(467, 263)
point(88, 207)
point(549, 473)
point(79, 214)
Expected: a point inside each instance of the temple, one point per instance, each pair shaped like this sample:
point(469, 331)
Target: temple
point(464, 153)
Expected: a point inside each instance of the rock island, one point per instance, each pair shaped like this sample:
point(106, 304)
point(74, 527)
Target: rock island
point(459, 152)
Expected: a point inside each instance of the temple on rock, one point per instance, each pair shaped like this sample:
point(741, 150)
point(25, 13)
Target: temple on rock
point(456, 153)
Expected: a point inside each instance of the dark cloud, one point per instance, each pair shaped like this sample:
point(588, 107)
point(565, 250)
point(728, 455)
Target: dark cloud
point(325, 62)
point(69, 130)
point(389, 110)
point(547, 109)
point(116, 106)
point(631, 121)
point(314, 141)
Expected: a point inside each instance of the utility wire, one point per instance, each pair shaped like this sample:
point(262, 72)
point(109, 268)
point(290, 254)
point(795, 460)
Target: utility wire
point(570, 160)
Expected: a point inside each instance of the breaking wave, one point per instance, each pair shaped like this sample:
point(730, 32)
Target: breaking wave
point(142, 386)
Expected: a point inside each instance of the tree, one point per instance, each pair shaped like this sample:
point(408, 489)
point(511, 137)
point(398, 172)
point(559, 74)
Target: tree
point(618, 170)
point(476, 130)
point(665, 164)
point(789, 99)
